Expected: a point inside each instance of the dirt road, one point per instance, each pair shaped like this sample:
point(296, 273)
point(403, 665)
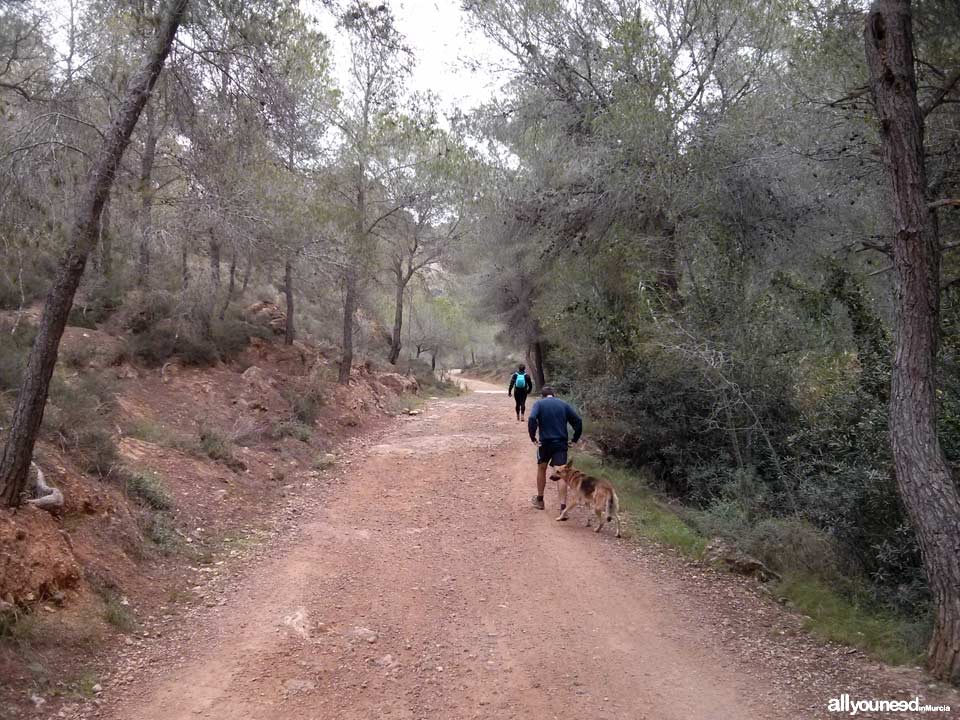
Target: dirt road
point(426, 586)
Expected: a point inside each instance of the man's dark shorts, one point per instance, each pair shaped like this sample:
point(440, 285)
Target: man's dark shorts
point(553, 453)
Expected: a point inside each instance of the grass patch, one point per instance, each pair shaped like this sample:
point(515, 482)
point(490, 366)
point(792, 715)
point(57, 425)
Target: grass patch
point(156, 433)
point(217, 446)
point(149, 490)
point(830, 615)
point(291, 428)
point(160, 531)
point(649, 516)
point(118, 615)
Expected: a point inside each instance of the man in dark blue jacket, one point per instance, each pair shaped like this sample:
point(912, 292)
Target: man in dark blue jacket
point(550, 416)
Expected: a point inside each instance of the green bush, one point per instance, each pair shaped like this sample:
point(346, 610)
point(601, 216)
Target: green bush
point(217, 446)
point(292, 428)
point(306, 400)
point(15, 344)
point(100, 303)
point(792, 546)
point(149, 490)
point(80, 415)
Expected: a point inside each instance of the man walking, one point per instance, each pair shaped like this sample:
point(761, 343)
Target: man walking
point(550, 417)
point(520, 385)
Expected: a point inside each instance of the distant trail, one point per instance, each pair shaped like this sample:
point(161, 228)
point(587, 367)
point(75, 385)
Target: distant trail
point(428, 587)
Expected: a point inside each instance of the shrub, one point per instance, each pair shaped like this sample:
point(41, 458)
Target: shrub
point(292, 428)
point(78, 357)
point(217, 446)
point(80, 415)
point(149, 490)
point(158, 529)
point(15, 343)
point(791, 545)
point(100, 303)
point(306, 400)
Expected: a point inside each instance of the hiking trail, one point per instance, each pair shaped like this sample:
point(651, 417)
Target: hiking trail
point(424, 585)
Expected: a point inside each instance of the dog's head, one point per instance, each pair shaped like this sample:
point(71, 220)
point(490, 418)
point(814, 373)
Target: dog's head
point(564, 472)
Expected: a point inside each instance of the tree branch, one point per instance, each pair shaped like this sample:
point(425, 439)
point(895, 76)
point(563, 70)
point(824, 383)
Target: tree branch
point(940, 94)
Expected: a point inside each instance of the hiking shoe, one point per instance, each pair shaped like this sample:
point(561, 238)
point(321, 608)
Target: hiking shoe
point(537, 502)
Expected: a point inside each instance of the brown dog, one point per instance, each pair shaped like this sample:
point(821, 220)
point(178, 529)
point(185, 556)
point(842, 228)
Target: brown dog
point(596, 493)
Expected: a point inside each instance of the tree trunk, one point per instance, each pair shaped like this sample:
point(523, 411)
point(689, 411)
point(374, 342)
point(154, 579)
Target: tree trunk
point(32, 398)
point(395, 344)
point(926, 486)
point(230, 286)
point(433, 361)
point(184, 265)
point(289, 335)
point(538, 354)
point(246, 278)
point(214, 260)
point(146, 197)
point(106, 242)
point(349, 310)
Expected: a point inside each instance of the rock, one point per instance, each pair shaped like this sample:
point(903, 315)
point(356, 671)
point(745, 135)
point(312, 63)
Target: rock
point(398, 383)
point(720, 552)
point(97, 689)
point(126, 372)
point(295, 686)
point(386, 661)
point(362, 633)
point(257, 378)
point(267, 314)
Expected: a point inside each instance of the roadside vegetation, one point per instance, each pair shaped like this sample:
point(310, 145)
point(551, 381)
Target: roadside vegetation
point(836, 609)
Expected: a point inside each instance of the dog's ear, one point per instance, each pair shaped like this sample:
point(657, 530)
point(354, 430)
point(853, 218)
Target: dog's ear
point(570, 462)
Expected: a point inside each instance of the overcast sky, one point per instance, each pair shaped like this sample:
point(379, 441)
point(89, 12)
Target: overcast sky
point(438, 32)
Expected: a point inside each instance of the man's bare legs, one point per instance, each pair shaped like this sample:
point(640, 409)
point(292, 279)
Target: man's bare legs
point(541, 480)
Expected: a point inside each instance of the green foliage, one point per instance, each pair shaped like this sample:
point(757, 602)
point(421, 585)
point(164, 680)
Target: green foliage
point(293, 429)
point(80, 417)
point(839, 618)
point(15, 343)
point(217, 446)
point(306, 400)
point(836, 607)
point(159, 530)
point(148, 488)
point(164, 327)
point(97, 307)
point(117, 614)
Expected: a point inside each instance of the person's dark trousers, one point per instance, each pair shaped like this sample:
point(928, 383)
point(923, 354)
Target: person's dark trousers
point(521, 398)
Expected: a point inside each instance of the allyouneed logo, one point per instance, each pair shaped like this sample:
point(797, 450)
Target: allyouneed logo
point(844, 704)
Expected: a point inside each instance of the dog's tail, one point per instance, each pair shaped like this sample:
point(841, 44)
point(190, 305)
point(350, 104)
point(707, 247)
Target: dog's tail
point(613, 505)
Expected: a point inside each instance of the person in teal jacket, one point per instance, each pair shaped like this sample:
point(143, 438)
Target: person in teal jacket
point(520, 386)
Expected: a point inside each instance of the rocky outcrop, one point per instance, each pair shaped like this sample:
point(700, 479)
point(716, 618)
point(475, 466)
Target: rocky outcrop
point(267, 314)
point(398, 383)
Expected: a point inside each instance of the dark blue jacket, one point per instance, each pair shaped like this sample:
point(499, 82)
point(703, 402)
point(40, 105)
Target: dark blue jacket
point(551, 416)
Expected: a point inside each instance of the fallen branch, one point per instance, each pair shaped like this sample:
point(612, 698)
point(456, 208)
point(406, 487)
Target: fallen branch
point(944, 203)
point(45, 497)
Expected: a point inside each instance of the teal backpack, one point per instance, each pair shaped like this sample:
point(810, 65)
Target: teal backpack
point(521, 382)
